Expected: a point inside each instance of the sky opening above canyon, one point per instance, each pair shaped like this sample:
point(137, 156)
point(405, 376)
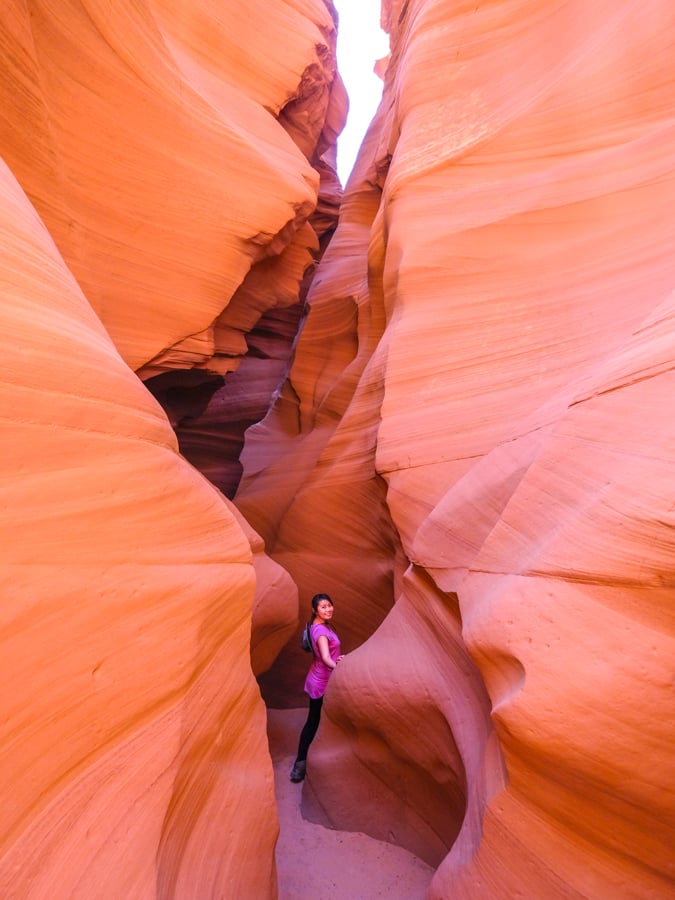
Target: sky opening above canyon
point(361, 42)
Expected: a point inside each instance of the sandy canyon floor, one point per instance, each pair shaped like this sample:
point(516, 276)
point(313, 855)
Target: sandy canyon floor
point(317, 863)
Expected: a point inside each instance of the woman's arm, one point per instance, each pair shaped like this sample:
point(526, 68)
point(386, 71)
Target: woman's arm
point(324, 652)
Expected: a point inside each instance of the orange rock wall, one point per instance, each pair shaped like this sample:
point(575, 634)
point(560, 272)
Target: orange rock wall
point(149, 142)
point(127, 590)
point(155, 155)
point(471, 452)
point(476, 435)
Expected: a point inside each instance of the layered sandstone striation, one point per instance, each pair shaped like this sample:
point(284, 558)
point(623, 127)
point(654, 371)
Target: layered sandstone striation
point(476, 435)
point(161, 165)
point(176, 153)
point(464, 435)
point(127, 592)
point(150, 143)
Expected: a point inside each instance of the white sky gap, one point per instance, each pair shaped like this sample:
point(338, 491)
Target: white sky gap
point(360, 43)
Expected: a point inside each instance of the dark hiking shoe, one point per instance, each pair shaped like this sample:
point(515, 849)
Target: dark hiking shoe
point(298, 770)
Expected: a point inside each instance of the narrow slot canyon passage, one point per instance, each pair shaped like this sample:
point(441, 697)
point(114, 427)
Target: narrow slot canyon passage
point(318, 862)
point(313, 860)
point(237, 371)
point(212, 416)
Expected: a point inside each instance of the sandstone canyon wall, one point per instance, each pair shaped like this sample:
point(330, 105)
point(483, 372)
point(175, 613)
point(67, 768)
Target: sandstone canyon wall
point(474, 453)
point(161, 162)
point(472, 450)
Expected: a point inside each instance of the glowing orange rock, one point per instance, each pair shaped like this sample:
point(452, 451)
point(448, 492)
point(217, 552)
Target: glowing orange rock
point(505, 370)
point(170, 159)
point(148, 141)
point(127, 690)
point(471, 453)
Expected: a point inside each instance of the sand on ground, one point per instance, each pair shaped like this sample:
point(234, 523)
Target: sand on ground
point(317, 863)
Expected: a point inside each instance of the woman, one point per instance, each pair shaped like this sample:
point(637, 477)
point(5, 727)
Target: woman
point(326, 649)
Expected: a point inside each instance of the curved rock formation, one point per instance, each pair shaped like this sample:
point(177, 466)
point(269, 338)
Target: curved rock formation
point(471, 450)
point(501, 372)
point(140, 113)
point(127, 591)
point(169, 158)
point(309, 486)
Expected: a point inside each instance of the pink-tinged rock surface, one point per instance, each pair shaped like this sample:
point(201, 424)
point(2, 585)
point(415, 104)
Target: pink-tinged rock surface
point(489, 350)
point(127, 696)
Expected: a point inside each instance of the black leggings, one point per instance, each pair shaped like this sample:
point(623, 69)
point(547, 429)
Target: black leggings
point(311, 725)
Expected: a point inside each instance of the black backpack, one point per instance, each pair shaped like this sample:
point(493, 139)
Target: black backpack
point(306, 640)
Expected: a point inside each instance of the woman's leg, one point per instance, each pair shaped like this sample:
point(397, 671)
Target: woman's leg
point(306, 737)
point(311, 726)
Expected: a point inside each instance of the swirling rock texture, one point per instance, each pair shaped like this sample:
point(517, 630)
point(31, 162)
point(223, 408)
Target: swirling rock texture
point(127, 590)
point(474, 452)
point(175, 152)
point(159, 160)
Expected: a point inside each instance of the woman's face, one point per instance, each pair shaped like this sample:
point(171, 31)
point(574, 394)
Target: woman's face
point(324, 610)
